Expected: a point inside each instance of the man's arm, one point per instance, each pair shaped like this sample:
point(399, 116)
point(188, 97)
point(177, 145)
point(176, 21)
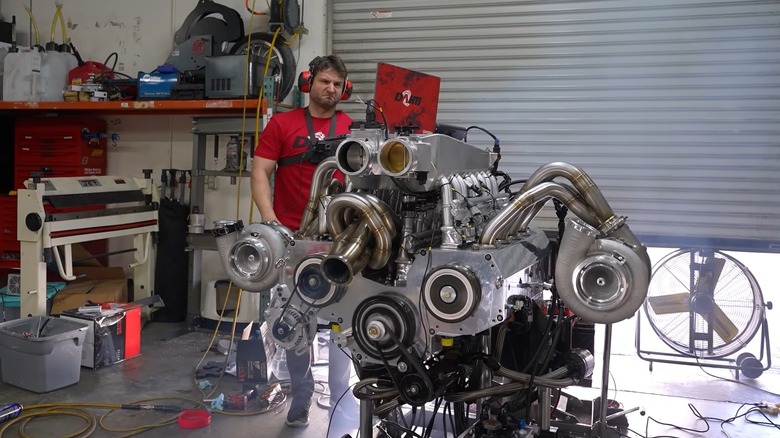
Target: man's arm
point(262, 168)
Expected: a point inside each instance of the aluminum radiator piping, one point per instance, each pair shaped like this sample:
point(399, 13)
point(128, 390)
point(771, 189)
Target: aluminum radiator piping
point(251, 256)
point(319, 181)
point(377, 219)
point(499, 226)
point(601, 279)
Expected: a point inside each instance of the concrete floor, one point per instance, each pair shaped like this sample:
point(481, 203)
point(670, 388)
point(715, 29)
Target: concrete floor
point(165, 370)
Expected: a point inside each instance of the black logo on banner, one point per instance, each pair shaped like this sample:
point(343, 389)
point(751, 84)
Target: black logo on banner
point(407, 99)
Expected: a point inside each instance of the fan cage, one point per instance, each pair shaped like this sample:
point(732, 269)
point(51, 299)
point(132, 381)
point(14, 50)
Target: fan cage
point(736, 293)
point(14, 284)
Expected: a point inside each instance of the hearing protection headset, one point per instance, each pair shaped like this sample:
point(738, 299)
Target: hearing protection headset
point(306, 79)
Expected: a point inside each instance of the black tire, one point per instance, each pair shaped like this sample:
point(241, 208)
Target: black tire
point(282, 59)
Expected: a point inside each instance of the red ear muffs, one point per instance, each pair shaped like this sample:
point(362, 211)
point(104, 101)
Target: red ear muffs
point(305, 79)
point(347, 90)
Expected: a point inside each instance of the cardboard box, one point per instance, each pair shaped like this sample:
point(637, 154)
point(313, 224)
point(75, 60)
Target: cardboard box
point(86, 273)
point(251, 364)
point(113, 335)
point(252, 356)
point(79, 293)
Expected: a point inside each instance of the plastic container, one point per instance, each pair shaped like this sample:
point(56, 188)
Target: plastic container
point(214, 298)
point(54, 75)
point(21, 74)
point(42, 363)
point(232, 162)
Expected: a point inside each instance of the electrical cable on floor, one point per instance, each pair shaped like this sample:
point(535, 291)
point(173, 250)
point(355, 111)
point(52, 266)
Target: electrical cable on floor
point(753, 409)
point(733, 380)
point(685, 429)
point(211, 342)
point(330, 419)
point(768, 421)
point(24, 419)
point(79, 409)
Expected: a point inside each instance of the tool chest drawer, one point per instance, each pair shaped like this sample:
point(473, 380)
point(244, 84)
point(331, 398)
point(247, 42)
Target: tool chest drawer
point(9, 246)
point(59, 147)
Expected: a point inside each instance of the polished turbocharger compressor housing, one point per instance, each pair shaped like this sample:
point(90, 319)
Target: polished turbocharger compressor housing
point(423, 243)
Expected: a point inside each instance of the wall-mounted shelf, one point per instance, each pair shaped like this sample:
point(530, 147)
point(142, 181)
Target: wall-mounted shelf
point(222, 106)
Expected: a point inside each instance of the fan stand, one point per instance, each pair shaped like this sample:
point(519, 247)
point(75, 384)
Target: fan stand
point(746, 363)
point(600, 423)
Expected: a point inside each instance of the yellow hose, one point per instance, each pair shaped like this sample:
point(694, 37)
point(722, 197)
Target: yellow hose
point(62, 24)
point(34, 24)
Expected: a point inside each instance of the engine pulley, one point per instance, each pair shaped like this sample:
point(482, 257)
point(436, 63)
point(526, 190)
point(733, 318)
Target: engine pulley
point(312, 286)
point(415, 390)
point(451, 292)
point(375, 318)
point(292, 328)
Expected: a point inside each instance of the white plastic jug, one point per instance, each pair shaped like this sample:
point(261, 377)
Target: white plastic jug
point(54, 75)
point(21, 74)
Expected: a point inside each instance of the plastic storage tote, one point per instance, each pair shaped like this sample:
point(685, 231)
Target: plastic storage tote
point(41, 353)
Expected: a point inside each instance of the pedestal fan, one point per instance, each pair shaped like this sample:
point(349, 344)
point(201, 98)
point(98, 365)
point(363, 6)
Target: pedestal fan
point(706, 306)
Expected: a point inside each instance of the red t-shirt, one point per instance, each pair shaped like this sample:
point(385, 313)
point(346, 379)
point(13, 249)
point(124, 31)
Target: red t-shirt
point(285, 135)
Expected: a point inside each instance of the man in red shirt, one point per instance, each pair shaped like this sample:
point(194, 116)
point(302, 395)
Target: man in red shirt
point(280, 149)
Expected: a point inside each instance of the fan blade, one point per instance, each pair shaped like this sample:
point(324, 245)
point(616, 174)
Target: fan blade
point(665, 304)
point(722, 325)
point(705, 284)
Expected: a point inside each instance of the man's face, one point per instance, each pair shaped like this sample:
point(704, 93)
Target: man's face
point(326, 89)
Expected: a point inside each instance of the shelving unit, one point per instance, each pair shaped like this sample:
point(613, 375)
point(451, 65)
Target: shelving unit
point(202, 128)
point(191, 107)
point(210, 117)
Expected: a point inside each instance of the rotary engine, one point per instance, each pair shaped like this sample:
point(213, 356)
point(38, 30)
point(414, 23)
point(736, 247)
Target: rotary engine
point(421, 251)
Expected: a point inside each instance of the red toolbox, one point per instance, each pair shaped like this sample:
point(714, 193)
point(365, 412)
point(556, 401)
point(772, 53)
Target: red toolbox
point(59, 146)
point(56, 147)
point(9, 246)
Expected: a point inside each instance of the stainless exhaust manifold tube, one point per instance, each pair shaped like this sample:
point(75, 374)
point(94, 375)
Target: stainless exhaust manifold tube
point(319, 181)
point(252, 257)
point(501, 225)
point(601, 279)
point(352, 246)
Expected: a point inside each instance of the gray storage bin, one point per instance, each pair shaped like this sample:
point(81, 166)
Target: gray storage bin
point(48, 359)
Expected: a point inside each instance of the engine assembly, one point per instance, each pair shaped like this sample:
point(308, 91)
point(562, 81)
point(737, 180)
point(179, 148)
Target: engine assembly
point(424, 262)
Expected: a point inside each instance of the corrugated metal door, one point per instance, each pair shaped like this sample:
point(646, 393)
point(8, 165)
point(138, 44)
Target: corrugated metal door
point(672, 106)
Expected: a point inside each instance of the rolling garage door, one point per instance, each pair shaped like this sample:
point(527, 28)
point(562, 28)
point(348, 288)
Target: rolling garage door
point(672, 106)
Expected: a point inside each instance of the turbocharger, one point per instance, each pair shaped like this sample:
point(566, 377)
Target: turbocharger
point(253, 257)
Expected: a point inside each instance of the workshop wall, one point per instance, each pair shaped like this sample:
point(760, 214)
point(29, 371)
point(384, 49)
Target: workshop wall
point(141, 33)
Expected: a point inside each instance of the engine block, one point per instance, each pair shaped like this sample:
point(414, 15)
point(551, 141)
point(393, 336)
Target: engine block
point(422, 250)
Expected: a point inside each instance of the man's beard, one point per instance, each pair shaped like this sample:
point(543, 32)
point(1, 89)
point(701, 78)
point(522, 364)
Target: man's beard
point(326, 103)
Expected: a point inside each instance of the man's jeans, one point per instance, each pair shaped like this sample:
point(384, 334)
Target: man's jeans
point(302, 381)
